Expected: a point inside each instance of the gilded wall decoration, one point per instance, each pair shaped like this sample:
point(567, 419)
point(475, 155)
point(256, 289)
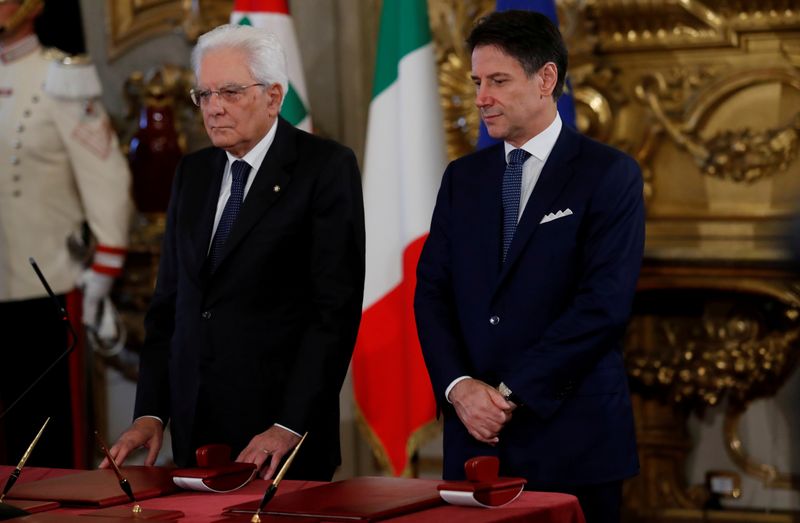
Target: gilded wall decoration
point(697, 338)
point(450, 22)
point(740, 154)
point(132, 22)
point(623, 25)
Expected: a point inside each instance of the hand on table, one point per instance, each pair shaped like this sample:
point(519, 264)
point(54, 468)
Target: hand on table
point(267, 450)
point(145, 432)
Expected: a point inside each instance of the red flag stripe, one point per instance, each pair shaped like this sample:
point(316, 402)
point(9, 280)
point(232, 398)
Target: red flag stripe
point(390, 381)
point(258, 6)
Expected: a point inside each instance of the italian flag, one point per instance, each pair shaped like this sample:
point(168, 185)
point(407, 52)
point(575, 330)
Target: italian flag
point(404, 161)
point(273, 15)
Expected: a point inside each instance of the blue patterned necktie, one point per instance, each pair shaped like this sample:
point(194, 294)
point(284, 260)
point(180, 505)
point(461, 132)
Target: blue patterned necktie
point(512, 190)
point(239, 171)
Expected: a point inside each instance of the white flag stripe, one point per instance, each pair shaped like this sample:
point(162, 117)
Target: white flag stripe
point(404, 161)
point(281, 26)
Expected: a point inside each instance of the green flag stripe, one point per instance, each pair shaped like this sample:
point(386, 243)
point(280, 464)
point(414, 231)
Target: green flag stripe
point(404, 28)
point(293, 109)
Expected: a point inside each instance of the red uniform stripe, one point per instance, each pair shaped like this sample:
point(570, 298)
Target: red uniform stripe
point(257, 6)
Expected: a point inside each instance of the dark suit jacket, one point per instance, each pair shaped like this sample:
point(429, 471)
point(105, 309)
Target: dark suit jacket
point(548, 322)
point(268, 336)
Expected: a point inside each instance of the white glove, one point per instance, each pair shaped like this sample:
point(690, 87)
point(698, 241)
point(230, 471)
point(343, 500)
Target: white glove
point(96, 287)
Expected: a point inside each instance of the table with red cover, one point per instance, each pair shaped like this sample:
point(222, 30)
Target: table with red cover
point(201, 507)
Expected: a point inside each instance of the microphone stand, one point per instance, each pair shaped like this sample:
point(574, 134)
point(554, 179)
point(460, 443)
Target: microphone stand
point(70, 348)
point(9, 511)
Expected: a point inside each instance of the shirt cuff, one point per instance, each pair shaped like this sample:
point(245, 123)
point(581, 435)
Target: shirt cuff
point(149, 416)
point(287, 428)
point(453, 384)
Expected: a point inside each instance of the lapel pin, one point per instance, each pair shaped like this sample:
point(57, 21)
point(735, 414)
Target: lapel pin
point(277, 188)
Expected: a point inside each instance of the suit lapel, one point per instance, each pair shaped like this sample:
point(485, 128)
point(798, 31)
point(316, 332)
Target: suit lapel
point(201, 233)
point(272, 178)
point(555, 175)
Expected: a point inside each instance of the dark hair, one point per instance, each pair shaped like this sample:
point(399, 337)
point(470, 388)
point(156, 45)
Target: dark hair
point(529, 37)
point(60, 25)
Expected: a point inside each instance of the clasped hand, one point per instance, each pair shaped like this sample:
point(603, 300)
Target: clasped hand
point(482, 409)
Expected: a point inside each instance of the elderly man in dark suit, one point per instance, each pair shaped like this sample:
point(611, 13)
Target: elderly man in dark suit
point(526, 280)
point(259, 290)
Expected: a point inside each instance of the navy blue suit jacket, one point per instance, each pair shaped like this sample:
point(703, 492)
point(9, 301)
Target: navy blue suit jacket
point(267, 337)
point(560, 304)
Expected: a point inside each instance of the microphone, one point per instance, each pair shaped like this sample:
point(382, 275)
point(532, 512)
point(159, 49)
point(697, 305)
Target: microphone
point(70, 348)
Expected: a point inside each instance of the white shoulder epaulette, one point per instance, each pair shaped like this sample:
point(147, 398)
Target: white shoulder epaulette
point(72, 77)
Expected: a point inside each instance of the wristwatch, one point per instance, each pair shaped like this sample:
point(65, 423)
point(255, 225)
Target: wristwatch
point(508, 394)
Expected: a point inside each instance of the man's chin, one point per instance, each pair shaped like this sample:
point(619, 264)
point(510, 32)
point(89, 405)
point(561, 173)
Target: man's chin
point(495, 132)
point(221, 140)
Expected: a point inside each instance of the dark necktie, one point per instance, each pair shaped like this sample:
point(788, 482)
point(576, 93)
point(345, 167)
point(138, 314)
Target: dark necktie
point(512, 190)
point(239, 171)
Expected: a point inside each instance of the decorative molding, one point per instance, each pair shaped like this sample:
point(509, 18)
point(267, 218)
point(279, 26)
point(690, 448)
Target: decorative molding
point(132, 22)
point(770, 475)
point(451, 22)
point(738, 155)
point(623, 25)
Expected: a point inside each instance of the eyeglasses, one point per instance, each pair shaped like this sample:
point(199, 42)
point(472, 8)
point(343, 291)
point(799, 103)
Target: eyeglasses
point(229, 93)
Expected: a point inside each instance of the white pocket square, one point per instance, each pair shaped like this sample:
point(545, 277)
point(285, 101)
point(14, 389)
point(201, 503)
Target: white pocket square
point(556, 215)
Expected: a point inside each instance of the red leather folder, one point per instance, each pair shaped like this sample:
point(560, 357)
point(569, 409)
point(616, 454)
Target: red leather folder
point(32, 506)
point(55, 517)
point(267, 518)
point(491, 493)
point(98, 488)
point(215, 472)
point(126, 511)
point(364, 499)
point(483, 483)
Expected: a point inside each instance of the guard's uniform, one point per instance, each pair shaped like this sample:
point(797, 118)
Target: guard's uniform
point(60, 166)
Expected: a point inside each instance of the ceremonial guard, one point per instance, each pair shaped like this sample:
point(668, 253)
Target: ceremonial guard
point(64, 185)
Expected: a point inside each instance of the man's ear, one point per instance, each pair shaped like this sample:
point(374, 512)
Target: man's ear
point(549, 77)
point(276, 97)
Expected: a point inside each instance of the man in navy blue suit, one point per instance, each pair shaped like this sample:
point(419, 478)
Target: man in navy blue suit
point(526, 281)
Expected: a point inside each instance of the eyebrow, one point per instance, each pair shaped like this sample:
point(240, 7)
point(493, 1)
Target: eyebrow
point(492, 76)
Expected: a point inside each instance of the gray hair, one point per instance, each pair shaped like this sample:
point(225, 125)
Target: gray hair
point(266, 58)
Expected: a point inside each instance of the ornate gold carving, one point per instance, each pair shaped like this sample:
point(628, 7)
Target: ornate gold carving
point(623, 25)
point(699, 336)
point(131, 22)
point(451, 21)
point(739, 155)
point(742, 347)
point(201, 16)
point(663, 443)
point(770, 475)
point(597, 95)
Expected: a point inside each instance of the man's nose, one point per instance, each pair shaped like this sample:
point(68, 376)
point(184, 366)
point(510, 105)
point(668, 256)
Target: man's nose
point(482, 96)
point(214, 103)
